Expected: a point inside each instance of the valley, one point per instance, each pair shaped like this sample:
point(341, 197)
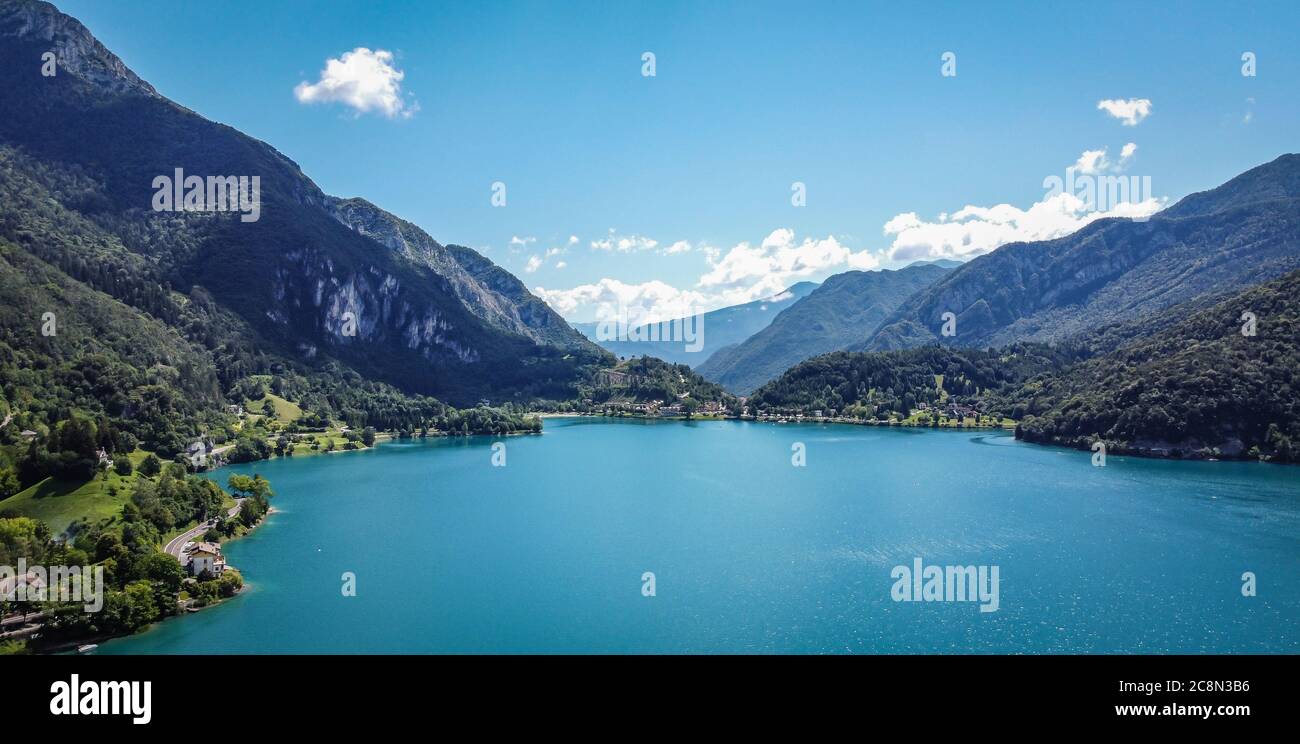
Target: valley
point(187, 318)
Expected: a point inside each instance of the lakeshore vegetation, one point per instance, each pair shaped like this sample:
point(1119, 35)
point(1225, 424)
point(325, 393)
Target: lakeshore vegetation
point(142, 584)
point(1211, 380)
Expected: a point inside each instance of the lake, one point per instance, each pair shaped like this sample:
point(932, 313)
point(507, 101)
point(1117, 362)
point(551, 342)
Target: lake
point(750, 553)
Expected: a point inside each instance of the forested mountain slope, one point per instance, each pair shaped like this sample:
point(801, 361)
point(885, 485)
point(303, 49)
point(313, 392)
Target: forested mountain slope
point(844, 309)
point(1242, 233)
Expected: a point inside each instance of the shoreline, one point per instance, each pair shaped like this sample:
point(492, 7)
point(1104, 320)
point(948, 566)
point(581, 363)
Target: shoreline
point(173, 638)
point(781, 420)
point(380, 437)
point(1113, 449)
point(183, 607)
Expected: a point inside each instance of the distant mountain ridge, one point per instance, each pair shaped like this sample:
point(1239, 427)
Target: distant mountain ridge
point(944, 263)
point(1242, 233)
point(844, 309)
point(721, 327)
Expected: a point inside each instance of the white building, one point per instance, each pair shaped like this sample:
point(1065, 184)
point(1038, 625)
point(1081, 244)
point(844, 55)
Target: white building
point(206, 556)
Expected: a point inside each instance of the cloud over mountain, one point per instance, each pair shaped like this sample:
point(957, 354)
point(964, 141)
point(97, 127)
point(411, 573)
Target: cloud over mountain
point(975, 230)
point(744, 273)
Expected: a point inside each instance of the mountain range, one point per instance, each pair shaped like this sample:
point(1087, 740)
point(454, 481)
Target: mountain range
point(1214, 380)
point(1169, 337)
point(150, 316)
point(314, 280)
point(1114, 274)
point(721, 327)
point(846, 307)
point(1209, 244)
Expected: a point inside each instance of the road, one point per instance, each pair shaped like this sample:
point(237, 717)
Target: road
point(177, 543)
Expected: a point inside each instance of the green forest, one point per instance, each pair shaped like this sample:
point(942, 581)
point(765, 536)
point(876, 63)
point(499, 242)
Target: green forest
point(1195, 381)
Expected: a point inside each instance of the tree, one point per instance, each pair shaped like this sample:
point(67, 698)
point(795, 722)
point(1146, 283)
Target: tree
point(141, 603)
point(23, 537)
point(230, 583)
point(205, 593)
point(248, 449)
point(9, 484)
point(249, 512)
point(368, 436)
point(122, 465)
point(151, 466)
point(256, 487)
point(207, 497)
point(163, 570)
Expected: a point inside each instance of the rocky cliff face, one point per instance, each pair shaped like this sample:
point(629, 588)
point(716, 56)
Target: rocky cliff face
point(490, 292)
point(76, 50)
point(360, 308)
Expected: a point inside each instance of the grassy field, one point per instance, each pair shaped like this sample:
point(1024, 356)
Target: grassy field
point(59, 503)
point(323, 439)
point(285, 411)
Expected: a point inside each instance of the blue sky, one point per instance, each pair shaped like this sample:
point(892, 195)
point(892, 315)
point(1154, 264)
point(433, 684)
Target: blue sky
point(747, 98)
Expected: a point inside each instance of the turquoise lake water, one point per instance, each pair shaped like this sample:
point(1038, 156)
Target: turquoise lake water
point(752, 554)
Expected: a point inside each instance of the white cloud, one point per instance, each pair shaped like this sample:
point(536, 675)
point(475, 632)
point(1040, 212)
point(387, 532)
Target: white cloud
point(615, 242)
point(755, 271)
point(648, 302)
point(973, 231)
point(363, 79)
point(1130, 112)
point(747, 272)
point(535, 261)
point(1092, 161)
point(744, 273)
point(623, 243)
